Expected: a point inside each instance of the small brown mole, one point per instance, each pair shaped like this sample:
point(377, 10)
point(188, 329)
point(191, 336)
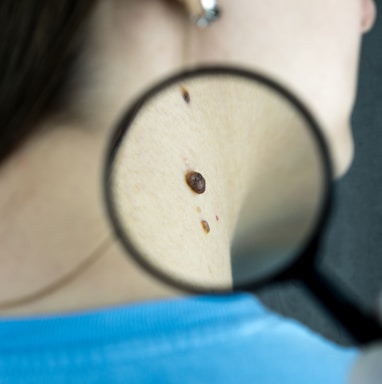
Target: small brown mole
point(196, 181)
point(205, 226)
point(185, 94)
point(217, 218)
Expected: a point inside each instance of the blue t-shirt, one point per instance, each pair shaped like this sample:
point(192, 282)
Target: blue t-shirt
point(202, 339)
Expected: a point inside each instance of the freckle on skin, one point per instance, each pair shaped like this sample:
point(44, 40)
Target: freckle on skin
point(205, 226)
point(196, 181)
point(185, 94)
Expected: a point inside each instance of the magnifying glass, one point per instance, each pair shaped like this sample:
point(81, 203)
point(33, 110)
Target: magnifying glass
point(218, 180)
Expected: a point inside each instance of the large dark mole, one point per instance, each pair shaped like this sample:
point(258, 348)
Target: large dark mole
point(196, 181)
point(205, 226)
point(185, 94)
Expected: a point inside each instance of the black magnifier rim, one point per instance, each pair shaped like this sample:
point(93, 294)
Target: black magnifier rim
point(122, 129)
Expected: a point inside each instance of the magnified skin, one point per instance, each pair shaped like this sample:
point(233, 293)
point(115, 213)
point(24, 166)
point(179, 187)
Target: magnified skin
point(264, 180)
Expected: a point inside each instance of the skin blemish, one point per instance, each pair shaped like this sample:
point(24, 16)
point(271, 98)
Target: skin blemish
point(185, 94)
point(198, 210)
point(205, 226)
point(196, 182)
point(217, 218)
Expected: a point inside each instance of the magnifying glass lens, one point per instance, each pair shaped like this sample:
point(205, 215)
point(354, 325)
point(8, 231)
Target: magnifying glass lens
point(216, 179)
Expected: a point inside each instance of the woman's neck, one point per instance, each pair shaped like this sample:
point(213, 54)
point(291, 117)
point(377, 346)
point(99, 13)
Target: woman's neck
point(51, 204)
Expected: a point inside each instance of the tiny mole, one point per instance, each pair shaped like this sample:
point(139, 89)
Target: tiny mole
point(185, 94)
point(205, 226)
point(196, 181)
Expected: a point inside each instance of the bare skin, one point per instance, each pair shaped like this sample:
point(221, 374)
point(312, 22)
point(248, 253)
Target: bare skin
point(51, 206)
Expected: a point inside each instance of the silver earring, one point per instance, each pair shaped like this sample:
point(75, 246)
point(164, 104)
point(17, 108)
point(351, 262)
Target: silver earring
point(211, 12)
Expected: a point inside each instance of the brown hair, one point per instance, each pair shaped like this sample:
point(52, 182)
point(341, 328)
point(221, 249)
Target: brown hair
point(40, 41)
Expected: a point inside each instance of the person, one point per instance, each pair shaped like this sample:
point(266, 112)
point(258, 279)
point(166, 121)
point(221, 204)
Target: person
point(69, 70)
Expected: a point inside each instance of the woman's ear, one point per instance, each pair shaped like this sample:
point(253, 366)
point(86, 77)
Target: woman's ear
point(369, 14)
